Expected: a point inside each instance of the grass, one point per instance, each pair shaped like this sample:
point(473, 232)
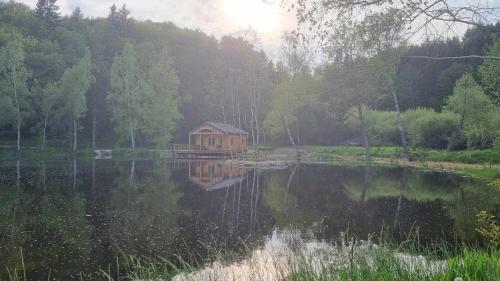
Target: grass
point(470, 265)
point(35, 154)
point(379, 264)
point(485, 173)
point(319, 261)
point(482, 161)
point(51, 153)
point(486, 156)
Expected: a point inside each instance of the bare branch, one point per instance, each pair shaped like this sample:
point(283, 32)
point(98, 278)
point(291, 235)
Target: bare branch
point(454, 58)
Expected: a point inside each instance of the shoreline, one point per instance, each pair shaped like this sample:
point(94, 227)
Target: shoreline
point(325, 155)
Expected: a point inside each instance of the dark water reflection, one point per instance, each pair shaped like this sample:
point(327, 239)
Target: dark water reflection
point(74, 219)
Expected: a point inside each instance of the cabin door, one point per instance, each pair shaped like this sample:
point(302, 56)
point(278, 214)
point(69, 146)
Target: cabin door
point(205, 142)
point(212, 142)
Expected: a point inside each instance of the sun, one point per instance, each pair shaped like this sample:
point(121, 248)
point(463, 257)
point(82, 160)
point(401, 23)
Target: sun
point(261, 15)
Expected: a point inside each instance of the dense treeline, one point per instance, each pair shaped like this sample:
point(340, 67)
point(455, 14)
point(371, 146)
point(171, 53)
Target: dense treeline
point(393, 97)
point(100, 82)
point(147, 84)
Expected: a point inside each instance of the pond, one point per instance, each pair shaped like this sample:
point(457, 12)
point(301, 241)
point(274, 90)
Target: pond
point(74, 219)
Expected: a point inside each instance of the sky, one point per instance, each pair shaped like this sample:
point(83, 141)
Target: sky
point(218, 17)
point(214, 17)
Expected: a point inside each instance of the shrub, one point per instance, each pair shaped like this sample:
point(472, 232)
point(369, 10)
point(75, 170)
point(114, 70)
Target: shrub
point(381, 125)
point(479, 116)
point(429, 128)
point(457, 141)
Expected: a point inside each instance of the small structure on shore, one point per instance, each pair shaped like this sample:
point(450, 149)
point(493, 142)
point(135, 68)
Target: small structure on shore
point(218, 137)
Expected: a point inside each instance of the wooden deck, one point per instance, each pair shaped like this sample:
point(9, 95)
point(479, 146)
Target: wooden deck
point(186, 152)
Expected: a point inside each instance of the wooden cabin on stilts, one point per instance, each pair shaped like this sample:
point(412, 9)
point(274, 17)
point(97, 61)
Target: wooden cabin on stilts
point(215, 140)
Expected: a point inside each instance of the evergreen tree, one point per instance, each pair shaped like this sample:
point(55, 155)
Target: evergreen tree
point(47, 10)
point(41, 8)
point(52, 16)
point(123, 21)
point(77, 14)
point(112, 13)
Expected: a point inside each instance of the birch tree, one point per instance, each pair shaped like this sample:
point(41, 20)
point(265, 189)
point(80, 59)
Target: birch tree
point(384, 68)
point(14, 93)
point(75, 84)
point(160, 112)
point(125, 96)
point(291, 95)
point(50, 96)
point(351, 86)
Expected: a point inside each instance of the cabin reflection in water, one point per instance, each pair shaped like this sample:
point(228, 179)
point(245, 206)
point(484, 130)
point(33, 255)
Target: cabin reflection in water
point(213, 175)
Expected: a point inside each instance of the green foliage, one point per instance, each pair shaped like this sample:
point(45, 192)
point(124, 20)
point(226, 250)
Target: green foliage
point(14, 92)
point(291, 96)
point(125, 96)
point(144, 97)
point(161, 102)
point(488, 228)
point(428, 128)
point(495, 184)
point(75, 83)
point(489, 73)
point(47, 10)
point(381, 125)
point(425, 127)
point(469, 156)
point(479, 117)
point(204, 79)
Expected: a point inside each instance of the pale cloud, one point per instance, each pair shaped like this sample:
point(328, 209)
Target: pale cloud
point(209, 16)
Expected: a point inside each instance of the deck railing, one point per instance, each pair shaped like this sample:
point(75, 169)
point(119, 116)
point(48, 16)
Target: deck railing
point(194, 147)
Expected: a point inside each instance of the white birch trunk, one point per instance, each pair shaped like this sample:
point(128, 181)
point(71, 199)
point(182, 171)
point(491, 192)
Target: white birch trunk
point(16, 99)
point(366, 141)
point(404, 143)
point(291, 137)
point(74, 174)
point(94, 119)
point(132, 139)
point(74, 135)
point(44, 136)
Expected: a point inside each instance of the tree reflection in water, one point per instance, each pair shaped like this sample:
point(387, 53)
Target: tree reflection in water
point(77, 217)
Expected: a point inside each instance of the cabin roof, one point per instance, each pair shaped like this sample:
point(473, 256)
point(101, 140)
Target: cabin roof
point(225, 128)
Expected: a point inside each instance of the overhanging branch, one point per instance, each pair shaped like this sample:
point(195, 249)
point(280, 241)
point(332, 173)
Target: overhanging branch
point(454, 58)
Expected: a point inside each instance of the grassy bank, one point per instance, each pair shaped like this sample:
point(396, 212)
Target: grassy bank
point(51, 153)
point(296, 263)
point(469, 265)
point(479, 163)
point(486, 156)
point(11, 154)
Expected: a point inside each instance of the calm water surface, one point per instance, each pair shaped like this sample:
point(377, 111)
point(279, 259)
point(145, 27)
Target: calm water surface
point(73, 219)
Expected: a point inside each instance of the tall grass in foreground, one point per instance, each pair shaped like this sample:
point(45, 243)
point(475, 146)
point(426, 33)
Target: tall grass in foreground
point(470, 265)
point(321, 263)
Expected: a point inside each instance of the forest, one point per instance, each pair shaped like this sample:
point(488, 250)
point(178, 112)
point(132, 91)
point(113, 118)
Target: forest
point(74, 82)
